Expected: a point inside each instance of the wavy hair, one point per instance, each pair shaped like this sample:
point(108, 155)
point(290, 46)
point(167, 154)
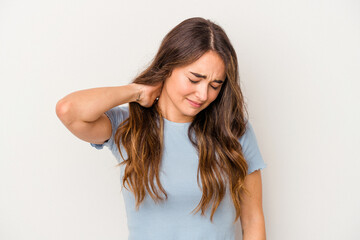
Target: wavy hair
point(220, 125)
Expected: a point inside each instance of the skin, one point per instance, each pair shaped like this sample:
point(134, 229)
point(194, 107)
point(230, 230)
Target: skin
point(178, 89)
point(251, 214)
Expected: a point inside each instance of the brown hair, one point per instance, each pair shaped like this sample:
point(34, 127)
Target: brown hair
point(220, 125)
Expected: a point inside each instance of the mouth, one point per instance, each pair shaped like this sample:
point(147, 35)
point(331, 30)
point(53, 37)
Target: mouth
point(195, 104)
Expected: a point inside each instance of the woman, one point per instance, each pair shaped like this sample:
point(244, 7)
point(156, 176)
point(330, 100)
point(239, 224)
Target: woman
point(190, 164)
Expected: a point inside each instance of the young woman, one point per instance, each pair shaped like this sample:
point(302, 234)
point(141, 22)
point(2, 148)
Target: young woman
point(189, 159)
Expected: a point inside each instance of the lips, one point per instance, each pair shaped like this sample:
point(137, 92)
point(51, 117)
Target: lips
point(195, 104)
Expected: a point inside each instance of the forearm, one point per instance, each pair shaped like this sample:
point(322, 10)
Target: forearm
point(88, 105)
point(254, 230)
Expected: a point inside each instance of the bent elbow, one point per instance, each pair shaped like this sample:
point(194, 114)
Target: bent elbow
point(63, 111)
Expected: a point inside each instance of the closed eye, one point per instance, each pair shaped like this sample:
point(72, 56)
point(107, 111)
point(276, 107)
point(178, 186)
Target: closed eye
point(194, 82)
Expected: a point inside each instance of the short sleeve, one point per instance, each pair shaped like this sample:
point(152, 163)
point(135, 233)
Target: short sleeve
point(116, 116)
point(251, 149)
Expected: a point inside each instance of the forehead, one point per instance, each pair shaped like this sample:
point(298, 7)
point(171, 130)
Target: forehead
point(209, 64)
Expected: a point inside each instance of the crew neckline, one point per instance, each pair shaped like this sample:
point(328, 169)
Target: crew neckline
point(177, 123)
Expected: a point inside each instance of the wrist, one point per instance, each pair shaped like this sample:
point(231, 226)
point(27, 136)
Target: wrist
point(136, 90)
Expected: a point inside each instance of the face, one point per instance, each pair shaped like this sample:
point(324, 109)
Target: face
point(192, 88)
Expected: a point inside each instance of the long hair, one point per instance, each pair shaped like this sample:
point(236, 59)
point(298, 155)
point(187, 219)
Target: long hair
point(217, 128)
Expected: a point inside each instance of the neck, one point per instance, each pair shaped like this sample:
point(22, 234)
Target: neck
point(169, 111)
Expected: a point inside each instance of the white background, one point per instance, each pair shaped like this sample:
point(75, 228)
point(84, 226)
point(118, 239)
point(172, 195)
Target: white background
point(299, 66)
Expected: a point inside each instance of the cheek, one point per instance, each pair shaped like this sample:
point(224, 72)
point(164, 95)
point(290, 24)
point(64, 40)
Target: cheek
point(214, 95)
point(182, 87)
point(176, 89)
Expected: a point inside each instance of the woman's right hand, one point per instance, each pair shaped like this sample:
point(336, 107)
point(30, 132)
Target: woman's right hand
point(147, 94)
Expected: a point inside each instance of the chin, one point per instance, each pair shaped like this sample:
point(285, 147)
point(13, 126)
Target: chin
point(189, 112)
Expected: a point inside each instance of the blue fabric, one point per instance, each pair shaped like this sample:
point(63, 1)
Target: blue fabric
point(171, 219)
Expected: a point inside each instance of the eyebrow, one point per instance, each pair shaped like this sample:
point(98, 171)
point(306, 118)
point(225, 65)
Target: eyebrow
point(204, 76)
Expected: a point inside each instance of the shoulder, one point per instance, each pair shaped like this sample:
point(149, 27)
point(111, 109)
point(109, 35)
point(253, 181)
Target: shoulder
point(121, 111)
point(117, 114)
point(251, 150)
point(248, 137)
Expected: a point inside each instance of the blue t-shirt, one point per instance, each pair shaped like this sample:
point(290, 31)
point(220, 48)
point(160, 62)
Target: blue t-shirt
point(171, 219)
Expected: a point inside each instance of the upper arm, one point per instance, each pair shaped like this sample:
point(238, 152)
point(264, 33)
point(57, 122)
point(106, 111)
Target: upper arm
point(251, 203)
point(93, 132)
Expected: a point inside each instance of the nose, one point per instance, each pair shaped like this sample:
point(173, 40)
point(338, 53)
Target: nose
point(202, 92)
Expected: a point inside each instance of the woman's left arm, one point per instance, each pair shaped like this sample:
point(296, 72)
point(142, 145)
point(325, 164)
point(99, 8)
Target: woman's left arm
point(251, 214)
